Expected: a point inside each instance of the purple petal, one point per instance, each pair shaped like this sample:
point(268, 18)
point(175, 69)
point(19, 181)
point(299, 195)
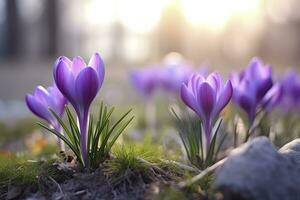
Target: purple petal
point(65, 81)
point(58, 101)
point(214, 80)
point(255, 67)
point(38, 109)
point(42, 95)
point(224, 97)
point(87, 86)
point(77, 66)
point(235, 80)
point(196, 83)
point(189, 99)
point(263, 87)
point(61, 58)
point(248, 103)
point(272, 98)
point(97, 63)
point(206, 99)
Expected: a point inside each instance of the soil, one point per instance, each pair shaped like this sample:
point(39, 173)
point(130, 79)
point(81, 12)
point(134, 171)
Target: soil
point(75, 184)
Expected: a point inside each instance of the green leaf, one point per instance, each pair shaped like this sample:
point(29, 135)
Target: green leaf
point(66, 130)
point(64, 139)
point(74, 128)
point(111, 143)
point(107, 135)
point(211, 150)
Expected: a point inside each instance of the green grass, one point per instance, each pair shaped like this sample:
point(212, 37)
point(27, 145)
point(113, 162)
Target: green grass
point(18, 170)
point(134, 156)
point(25, 169)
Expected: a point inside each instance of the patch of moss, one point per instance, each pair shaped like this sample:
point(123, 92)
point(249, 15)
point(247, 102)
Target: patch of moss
point(133, 156)
point(18, 170)
point(23, 170)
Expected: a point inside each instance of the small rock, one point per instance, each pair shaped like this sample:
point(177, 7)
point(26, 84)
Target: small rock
point(256, 171)
point(292, 150)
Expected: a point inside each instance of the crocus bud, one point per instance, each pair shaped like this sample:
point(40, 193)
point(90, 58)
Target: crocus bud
point(43, 99)
point(80, 83)
point(207, 97)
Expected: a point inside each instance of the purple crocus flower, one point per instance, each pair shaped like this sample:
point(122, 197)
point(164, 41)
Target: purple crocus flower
point(145, 80)
point(80, 83)
point(291, 91)
point(43, 99)
point(207, 97)
point(167, 77)
point(250, 87)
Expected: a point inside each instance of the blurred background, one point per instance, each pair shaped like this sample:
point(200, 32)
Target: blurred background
point(129, 34)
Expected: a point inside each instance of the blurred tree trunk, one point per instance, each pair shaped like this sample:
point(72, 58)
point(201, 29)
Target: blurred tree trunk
point(51, 14)
point(12, 28)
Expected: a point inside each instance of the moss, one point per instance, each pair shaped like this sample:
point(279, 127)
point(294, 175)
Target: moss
point(131, 156)
point(18, 170)
point(22, 170)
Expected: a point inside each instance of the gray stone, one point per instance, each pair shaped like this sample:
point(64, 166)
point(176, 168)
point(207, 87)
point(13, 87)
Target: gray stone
point(256, 171)
point(292, 150)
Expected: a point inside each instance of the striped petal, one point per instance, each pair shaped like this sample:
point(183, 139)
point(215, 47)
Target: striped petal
point(224, 97)
point(98, 65)
point(87, 86)
point(65, 81)
point(206, 99)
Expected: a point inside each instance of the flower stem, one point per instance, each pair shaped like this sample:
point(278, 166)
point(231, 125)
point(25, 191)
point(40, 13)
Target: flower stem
point(60, 143)
point(207, 129)
point(83, 120)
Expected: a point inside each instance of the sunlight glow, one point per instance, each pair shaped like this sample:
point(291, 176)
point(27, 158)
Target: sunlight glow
point(217, 13)
point(140, 16)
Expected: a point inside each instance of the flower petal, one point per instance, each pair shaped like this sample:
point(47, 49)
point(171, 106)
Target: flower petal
point(38, 108)
point(224, 97)
point(263, 87)
point(58, 101)
point(214, 80)
point(273, 97)
point(190, 100)
point(61, 58)
point(97, 63)
point(206, 99)
point(65, 81)
point(77, 66)
point(42, 95)
point(87, 86)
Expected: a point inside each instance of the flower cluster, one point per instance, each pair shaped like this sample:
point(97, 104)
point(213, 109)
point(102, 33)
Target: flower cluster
point(254, 90)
